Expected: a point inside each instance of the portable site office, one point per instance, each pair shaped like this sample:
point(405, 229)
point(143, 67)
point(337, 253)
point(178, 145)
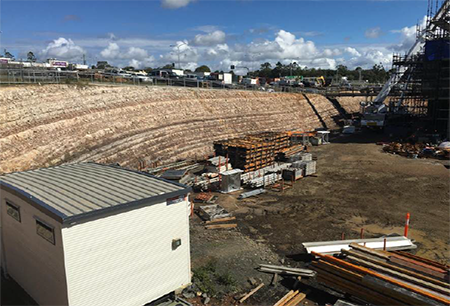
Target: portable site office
point(92, 234)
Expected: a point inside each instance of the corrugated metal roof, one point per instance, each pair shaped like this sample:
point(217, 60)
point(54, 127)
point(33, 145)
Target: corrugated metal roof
point(82, 189)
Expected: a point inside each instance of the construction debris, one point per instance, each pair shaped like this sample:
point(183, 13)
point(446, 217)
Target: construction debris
point(205, 197)
point(384, 278)
point(251, 293)
point(212, 212)
point(221, 226)
point(275, 168)
point(251, 193)
point(218, 164)
point(282, 270)
point(292, 298)
point(291, 153)
point(416, 150)
point(266, 180)
point(220, 220)
point(335, 247)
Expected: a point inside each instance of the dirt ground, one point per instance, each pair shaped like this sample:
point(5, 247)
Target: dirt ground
point(356, 186)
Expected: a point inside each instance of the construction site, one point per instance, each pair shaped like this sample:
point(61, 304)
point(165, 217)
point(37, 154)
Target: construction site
point(158, 195)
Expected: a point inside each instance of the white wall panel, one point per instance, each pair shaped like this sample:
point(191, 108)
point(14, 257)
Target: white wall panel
point(36, 264)
point(127, 259)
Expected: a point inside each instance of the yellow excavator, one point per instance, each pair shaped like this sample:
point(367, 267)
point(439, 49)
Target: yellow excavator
point(314, 81)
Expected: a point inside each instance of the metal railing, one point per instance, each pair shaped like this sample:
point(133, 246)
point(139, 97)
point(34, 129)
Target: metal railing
point(45, 76)
point(35, 76)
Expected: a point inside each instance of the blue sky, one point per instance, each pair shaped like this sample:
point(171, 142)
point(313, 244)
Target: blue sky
point(217, 33)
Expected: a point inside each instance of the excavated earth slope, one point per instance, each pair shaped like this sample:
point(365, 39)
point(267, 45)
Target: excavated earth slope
point(49, 125)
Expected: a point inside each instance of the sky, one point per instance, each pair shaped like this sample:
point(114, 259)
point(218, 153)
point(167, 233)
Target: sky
point(190, 33)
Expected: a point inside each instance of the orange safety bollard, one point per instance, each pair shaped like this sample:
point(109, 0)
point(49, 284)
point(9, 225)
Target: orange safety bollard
point(407, 225)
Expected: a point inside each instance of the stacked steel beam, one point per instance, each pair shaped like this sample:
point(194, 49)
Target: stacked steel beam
point(385, 278)
point(252, 152)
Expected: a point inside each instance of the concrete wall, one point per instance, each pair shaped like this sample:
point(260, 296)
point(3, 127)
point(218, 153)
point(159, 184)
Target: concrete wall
point(127, 259)
point(47, 125)
point(36, 264)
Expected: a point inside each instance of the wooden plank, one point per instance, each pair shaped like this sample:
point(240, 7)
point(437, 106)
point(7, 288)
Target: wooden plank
point(221, 220)
point(296, 300)
point(397, 268)
point(425, 260)
point(349, 275)
point(220, 226)
point(251, 293)
point(419, 263)
point(400, 275)
point(405, 295)
point(381, 254)
point(285, 298)
point(363, 270)
point(418, 268)
point(355, 289)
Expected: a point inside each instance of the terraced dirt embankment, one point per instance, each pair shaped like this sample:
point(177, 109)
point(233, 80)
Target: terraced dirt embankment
point(48, 125)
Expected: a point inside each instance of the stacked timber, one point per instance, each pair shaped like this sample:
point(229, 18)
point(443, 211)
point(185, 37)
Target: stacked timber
point(385, 278)
point(252, 152)
point(287, 153)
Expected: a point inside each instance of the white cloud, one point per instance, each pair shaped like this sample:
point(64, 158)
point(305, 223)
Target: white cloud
point(112, 51)
point(408, 36)
point(175, 4)
point(209, 47)
point(373, 32)
point(134, 56)
point(352, 51)
point(213, 38)
point(63, 48)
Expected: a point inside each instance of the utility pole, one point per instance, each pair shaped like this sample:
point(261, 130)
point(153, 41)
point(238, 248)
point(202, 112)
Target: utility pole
point(178, 48)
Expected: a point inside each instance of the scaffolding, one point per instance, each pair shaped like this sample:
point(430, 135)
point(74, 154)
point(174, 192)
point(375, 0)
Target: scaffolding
point(422, 79)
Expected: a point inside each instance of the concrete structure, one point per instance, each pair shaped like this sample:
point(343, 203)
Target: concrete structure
point(91, 234)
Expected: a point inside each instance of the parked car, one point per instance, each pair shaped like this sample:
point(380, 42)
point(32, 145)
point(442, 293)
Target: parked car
point(142, 78)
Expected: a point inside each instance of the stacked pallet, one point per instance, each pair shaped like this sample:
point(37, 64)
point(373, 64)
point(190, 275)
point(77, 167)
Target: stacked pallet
point(385, 278)
point(252, 152)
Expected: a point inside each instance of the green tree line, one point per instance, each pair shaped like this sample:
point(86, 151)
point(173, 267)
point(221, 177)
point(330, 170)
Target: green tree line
point(377, 74)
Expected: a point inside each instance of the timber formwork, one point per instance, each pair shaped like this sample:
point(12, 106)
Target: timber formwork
point(253, 152)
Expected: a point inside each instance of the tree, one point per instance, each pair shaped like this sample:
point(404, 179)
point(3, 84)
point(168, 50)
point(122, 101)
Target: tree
point(31, 57)
point(169, 66)
point(9, 55)
point(102, 65)
point(202, 68)
point(266, 65)
point(148, 69)
point(128, 68)
point(342, 70)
